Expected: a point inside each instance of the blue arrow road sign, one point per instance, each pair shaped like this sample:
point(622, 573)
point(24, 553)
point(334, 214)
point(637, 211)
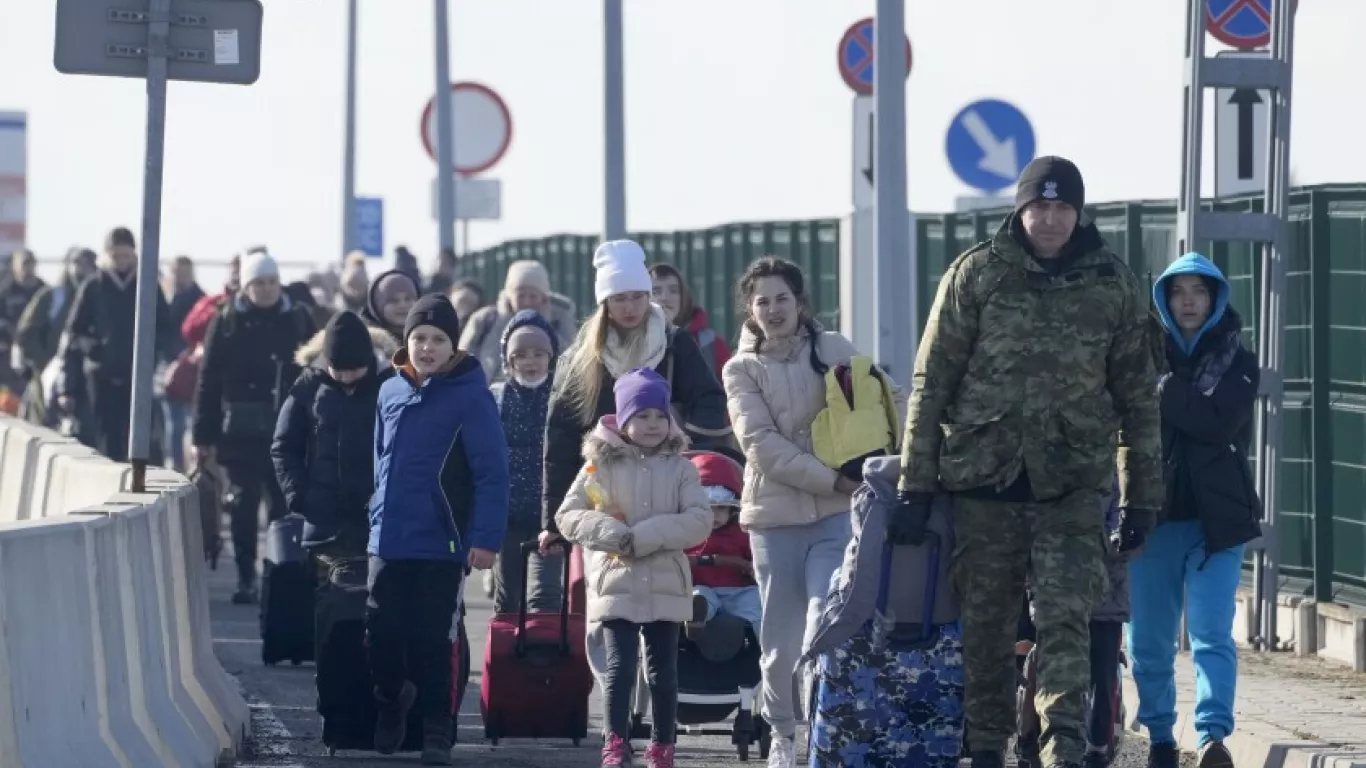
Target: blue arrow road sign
point(1239, 23)
point(989, 143)
point(370, 225)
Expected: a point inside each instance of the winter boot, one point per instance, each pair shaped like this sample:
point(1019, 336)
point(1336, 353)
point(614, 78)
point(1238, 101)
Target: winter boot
point(1215, 755)
point(659, 755)
point(436, 739)
point(988, 759)
point(246, 593)
point(616, 752)
point(391, 727)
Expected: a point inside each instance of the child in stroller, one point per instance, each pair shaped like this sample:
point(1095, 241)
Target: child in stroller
point(718, 656)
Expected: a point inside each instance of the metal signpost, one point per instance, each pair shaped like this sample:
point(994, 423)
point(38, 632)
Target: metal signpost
point(13, 183)
point(1241, 145)
point(613, 123)
point(349, 137)
point(483, 133)
point(988, 144)
point(445, 123)
point(369, 218)
point(207, 41)
point(1246, 24)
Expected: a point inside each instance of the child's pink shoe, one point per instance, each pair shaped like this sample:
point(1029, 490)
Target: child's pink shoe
point(659, 755)
point(617, 752)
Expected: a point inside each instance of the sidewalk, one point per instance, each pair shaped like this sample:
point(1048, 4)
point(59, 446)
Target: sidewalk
point(1291, 712)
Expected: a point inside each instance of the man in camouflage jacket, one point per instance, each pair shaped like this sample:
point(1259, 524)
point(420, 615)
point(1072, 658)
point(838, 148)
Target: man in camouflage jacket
point(1033, 380)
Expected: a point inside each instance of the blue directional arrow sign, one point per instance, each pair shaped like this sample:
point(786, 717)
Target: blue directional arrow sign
point(370, 225)
point(988, 144)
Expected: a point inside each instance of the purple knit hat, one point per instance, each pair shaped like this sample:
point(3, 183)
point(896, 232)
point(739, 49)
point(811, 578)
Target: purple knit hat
point(637, 390)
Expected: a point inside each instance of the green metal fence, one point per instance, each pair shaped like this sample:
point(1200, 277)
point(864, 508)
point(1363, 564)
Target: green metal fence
point(1323, 487)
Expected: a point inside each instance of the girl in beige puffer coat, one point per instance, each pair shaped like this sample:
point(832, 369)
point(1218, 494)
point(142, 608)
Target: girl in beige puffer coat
point(633, 508)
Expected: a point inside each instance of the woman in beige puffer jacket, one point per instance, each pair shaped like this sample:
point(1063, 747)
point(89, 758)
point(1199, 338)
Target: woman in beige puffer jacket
point(795, 508)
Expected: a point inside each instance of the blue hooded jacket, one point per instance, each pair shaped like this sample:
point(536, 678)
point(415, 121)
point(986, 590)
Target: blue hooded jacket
point(441, 466)
point(524, 411)
point(1191, 264)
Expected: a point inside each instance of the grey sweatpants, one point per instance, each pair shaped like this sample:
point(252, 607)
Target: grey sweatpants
point(793, 565)
point(545, 575)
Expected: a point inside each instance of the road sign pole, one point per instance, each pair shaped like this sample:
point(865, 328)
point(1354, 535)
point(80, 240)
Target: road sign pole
point(445, 137)
point(349, 141)
point(614, 123)
point(145, 316)
point(897, 314)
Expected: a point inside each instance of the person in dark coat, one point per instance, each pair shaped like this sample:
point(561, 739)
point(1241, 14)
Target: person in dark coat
point(247, 370)
point(625, 332)
point(530, 347)
point(440, 505)
point(324, 444)
point(1195, 554)
point(98, 365)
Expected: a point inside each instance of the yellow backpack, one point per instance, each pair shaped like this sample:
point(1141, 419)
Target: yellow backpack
point(860, 418)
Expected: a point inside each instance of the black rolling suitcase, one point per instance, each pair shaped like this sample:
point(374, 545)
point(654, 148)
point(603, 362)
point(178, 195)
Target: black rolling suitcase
point(346, 699)
point(287, 593)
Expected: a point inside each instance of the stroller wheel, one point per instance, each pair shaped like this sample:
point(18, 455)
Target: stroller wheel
point(742, 748)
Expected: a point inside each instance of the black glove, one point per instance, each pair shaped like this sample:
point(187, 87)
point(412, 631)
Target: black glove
point(1134, 526)
point(907, 521)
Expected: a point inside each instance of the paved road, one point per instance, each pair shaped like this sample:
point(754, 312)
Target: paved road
point(286, 731)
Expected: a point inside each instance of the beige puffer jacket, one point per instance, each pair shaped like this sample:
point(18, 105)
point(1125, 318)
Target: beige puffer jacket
point(773, 396)
point(666, 511)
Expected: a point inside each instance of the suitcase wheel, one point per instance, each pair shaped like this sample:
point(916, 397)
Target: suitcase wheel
point(296, 662)
point(576, 741)
point(331, 751)
point(639, 728)
point(491, 729)
point(742, 746)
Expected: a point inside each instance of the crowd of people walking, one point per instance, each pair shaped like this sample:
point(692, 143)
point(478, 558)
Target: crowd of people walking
point(1089, 438)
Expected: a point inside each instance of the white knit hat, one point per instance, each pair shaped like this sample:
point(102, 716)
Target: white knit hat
point(258, 265)
point(621, 269)
point(526, 274)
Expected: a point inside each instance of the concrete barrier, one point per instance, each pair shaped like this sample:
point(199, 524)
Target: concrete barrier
point(107, 654)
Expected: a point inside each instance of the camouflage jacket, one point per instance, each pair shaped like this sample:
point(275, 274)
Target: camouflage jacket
point(1022, 370)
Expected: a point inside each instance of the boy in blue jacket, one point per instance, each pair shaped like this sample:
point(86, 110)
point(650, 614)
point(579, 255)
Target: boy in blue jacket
point(440, 504)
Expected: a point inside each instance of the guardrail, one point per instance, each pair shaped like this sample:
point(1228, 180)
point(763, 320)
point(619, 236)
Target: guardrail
point(106, 658)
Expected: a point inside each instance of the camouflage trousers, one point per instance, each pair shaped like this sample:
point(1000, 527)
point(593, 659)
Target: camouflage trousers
point(1059, 546)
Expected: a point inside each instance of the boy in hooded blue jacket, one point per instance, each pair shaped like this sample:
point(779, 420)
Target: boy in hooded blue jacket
point(440, 504)
point(1210, 512)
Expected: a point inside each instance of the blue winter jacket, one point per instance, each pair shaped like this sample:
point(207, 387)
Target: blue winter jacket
point(441, 466)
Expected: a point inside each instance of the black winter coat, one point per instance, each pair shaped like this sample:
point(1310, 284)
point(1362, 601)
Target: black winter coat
point(698, 399)
point(323, 453)
point(1206, 435)
point(246, 373)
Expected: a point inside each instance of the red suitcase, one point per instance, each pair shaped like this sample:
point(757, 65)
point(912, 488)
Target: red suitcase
point(536, 680)
point(578, 588)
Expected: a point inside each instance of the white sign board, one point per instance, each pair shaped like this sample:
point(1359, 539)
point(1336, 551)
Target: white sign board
point(482, 127)
point(13, 181)
point(862, 179)
point(1241, 138)
point(474, 199)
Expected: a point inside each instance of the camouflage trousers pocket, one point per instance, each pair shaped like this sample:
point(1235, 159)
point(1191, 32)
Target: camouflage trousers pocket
point(883, 706)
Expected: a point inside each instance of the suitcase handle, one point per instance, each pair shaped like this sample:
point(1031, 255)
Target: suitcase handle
point(884, 580)
point(527, 548)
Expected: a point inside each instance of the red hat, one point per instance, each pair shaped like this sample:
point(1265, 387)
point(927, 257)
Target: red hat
point(718, 469)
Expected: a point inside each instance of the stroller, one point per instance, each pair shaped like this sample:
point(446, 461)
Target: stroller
point(718, 675)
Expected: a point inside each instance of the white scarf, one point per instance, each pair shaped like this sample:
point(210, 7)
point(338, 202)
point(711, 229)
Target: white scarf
point(656, 345)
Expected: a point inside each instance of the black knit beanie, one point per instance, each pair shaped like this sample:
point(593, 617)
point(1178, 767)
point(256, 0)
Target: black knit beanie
point(346, 342)
point(435, 310)
point(1050, 178)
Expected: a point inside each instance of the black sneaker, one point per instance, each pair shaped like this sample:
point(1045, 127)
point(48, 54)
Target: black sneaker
point(1095, 759)
point(436, 740)
point(1215, 755)
point(699, 609)
point(246, 593)
point(391, 726)
point(988, 759)
point(1163, 756)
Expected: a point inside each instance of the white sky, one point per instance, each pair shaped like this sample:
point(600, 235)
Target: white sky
point(735, 111)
